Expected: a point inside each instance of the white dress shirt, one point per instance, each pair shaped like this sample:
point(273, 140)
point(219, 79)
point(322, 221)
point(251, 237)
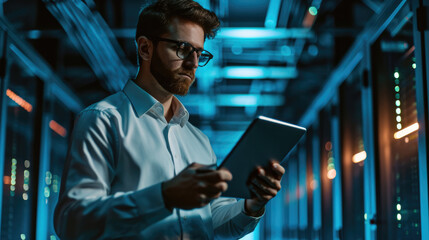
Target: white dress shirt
point(122, 149)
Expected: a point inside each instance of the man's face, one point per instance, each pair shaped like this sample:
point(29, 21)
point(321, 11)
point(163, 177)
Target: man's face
point(172, 73)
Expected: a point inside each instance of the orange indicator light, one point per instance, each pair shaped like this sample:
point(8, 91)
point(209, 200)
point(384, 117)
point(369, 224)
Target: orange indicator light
point(20, 101)
point(406, 131)
point(359, 157)
point(56, 127)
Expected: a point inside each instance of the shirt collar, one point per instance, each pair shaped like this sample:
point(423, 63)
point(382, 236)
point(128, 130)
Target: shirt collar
point(181, 115)
point(142, 102)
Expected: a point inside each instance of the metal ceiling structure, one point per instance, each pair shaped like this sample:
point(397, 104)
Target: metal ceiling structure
point(272, 57)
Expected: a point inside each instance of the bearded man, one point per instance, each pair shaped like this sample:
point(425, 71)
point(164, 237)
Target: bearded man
point(136, 168)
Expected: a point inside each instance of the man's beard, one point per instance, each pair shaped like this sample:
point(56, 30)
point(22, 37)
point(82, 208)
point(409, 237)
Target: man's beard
point(171, 81)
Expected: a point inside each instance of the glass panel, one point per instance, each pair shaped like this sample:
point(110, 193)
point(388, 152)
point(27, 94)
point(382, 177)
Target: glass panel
point(398, 183)
point(327, 173)
point(353, 156)
point(60, 130)
point(22, 153)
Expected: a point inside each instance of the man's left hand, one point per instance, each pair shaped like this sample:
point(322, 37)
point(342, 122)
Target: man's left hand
point(264, 185)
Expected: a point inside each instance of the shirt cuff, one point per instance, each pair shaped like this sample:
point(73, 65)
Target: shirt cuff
point(242, 202)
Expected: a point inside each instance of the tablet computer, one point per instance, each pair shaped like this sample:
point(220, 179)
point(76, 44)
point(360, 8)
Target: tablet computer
point(265, 139)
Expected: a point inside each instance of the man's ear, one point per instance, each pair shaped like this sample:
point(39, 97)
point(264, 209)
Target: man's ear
point(145, 48)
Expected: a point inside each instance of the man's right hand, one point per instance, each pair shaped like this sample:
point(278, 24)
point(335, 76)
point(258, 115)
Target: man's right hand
point(195, 187)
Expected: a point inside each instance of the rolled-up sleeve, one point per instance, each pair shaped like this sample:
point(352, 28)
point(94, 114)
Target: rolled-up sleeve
point(86, 209)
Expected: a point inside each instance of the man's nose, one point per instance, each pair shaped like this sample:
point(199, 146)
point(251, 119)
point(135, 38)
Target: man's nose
point(192, 60)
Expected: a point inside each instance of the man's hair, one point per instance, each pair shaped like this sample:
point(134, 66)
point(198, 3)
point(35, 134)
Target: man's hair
point(155, 18)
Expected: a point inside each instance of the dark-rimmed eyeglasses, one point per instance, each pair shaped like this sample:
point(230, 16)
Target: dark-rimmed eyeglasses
point(185, 49)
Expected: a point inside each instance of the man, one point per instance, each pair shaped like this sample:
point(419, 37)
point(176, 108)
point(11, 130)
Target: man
point(136, 168)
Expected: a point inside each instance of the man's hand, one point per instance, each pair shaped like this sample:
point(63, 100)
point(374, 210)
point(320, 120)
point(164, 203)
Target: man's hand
point(195, 187)
point(264, 185)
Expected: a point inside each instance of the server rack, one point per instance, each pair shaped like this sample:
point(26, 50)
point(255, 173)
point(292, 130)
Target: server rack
point(399, 20)
point(353, 156)
point(396, 139)
point(30, 97)
point(327, 172)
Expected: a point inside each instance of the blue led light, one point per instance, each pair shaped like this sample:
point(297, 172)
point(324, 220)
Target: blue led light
point(272, 13)
point(251, 72)
point(264, 33)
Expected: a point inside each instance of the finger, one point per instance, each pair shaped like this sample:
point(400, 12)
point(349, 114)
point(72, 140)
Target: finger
point(261, 196)
point(270, 181)
point(270, 178)
point(213, 189)
point(213, 196)
point(207, 168)
point(215, 176)
point(256, 193)
point(259, 185)
point(277, 169)
point(203, 199)
point(195, 166)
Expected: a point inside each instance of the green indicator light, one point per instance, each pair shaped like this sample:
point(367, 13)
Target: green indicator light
point(398, 207)
point(12, 188)
point(396, 75)
point(365, 216)
point(414, 65)
point(398, 118)
point(47, 192)
point(22, 236)
point(399, 126)
point(398, 111)
point(397, 96)
point(312, 10)
point(26, 173)
point(399, 225)
point(14, 167)
point(416, 225)
point(52, 237)
point(396, 81)
point(55, 188)
point(399, 216)
point(331, 166)
point(398, 103)
point(14, 161)
point(397, 88)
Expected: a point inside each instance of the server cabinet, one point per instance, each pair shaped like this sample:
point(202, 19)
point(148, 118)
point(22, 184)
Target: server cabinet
point(353, 156)
point(327, 173)
point(393, 73)
point(21, 153)
point(291, 197)
point(420, 9)
point(56, 129)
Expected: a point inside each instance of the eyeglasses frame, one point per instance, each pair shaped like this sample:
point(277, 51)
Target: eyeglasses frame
point(179, 43)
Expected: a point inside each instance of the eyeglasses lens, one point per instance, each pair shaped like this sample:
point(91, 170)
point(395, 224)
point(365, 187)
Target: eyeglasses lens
point(184, 50)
